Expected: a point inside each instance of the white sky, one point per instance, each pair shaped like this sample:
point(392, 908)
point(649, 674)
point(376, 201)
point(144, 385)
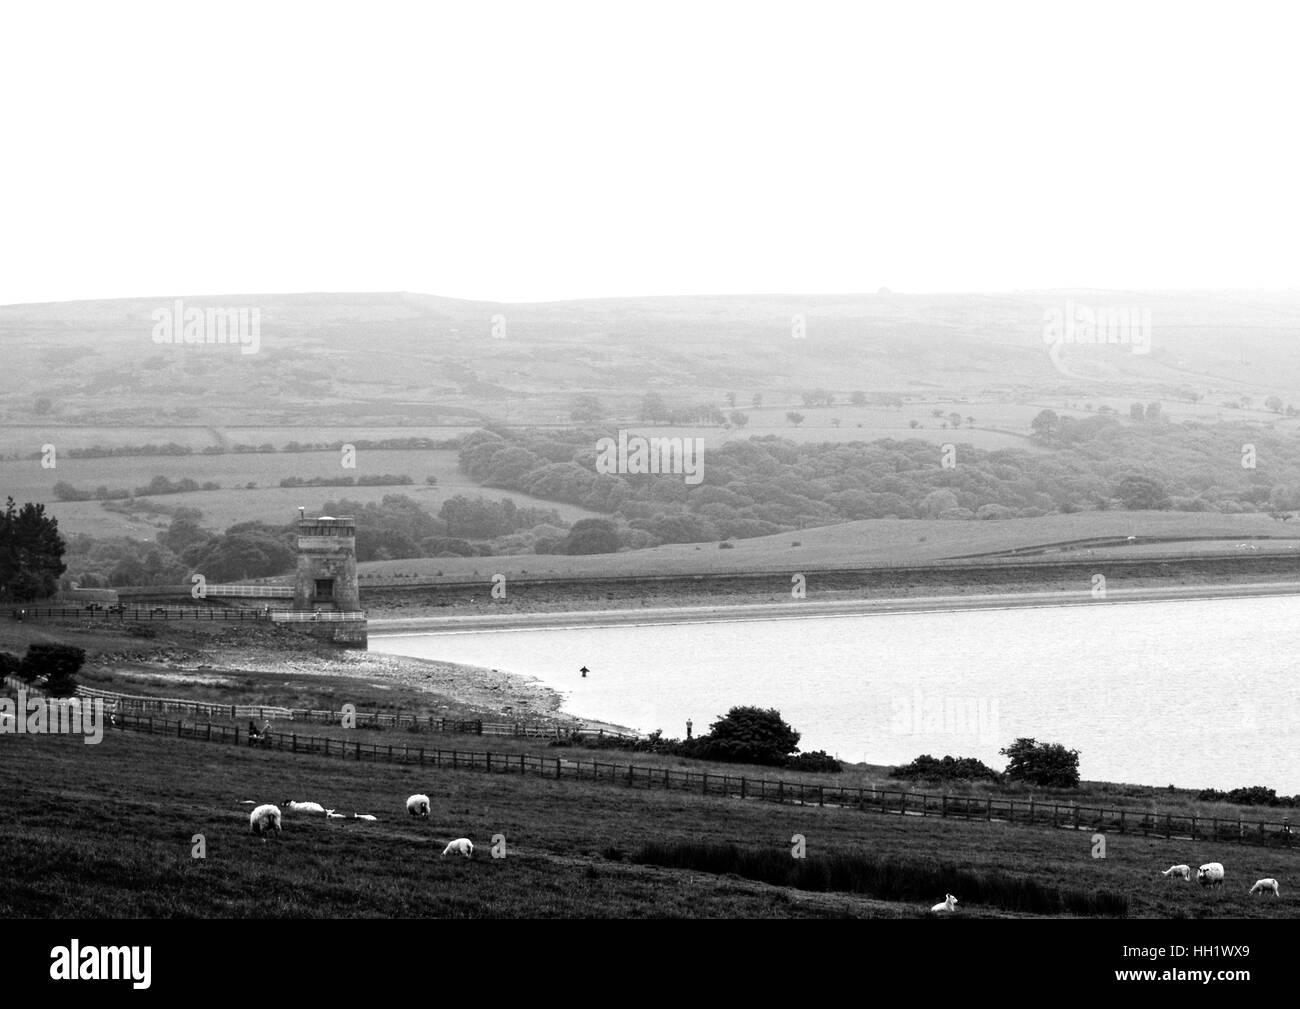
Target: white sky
point(546, 150)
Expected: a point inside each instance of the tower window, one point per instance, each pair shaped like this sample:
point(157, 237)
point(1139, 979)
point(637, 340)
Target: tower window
point(324, 588)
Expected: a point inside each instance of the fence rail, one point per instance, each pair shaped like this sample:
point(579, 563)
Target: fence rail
point(251, 591)
point(362, 719)
point(302, 617)
point(867, 800)
point(140, 613)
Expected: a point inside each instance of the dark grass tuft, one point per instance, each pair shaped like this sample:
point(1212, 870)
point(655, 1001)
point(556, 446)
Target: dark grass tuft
point(884, 879)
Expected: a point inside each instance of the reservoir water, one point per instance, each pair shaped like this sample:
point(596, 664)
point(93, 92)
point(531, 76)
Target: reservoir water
point(1195, 693)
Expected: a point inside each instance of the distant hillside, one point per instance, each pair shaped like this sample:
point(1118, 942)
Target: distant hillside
point(349, 361)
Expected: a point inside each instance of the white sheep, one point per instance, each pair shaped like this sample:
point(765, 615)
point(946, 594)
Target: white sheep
point(263, 818)
point(331, 815)
point(1181, 871)
point(462, 844)
point(1210, 874)
point(418, 805)
point(364, 816)
point(948, 906)
point(304, 807)
point(1264, 884)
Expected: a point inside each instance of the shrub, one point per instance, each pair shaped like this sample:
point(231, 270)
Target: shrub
point(749, 735)
point(9, 663)
point(817, 760)
point(57, 663)
point(1048, 764)
point(946, 769)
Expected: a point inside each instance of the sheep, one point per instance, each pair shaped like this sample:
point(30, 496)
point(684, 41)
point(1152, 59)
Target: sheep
point(1264, 884)
point(1210, 874)
point(948, 906)
point(304, 807)
point(364, 816)
point(331, 815)
point(418, 805)
point(263, 818)
point(1181, 871)
point(462, 844)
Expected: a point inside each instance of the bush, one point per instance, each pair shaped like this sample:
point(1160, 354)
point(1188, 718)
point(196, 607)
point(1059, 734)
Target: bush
point(748, 735)
point(946, 769)
point(1254, 795)
point(817, 760)
point(1047, 764)
point(9, 664)
point(59, 665)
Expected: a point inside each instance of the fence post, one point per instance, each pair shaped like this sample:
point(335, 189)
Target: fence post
point(943, 804)
point(358, 749)
point(902, 803)
point(780, 790)
point(1169, 826)
point(1193, 828)
point(742, 786)
point(293, 741)
point(1121, 821)
point(421, 756)
point(1031, 810)
point(557, 768)
point(629, 774)
point(821, 796)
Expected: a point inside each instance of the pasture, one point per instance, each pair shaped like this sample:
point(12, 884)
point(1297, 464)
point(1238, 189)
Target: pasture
point(108, 831)
point(235, 501)
point(857, 544)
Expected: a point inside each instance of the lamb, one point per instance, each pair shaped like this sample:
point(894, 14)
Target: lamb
point(1210, 874)
point(1264, 884)
point(304, 807)
point(331, 815)
point(364, 816)
point(263, 818)
point(418, 805)
point(948, 906)
point(1181, 871)
point(462, 844)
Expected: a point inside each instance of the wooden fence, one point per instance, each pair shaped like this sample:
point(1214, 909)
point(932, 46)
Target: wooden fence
point(867, 800)
point(363, 719)
point(140, 613)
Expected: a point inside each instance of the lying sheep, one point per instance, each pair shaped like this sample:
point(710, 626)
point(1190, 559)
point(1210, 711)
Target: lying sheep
point(1210, 874)
point(304, 807)
point(264, 818)
point(948, 906)
point(1181, 871)
point(418, 805)
point(1264, 884)
point(462, 844)
point(364, 816)
point(331, 815)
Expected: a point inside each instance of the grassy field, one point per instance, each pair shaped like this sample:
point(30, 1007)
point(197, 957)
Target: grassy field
point(107, 831)
point(851, 544)
point(267, 501)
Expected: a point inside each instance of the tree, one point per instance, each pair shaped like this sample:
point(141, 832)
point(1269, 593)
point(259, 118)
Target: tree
point(31, 553)
point(1047, 764)
point(756, 400)
point(954, 419)
point(592, 536)
point(1153, 411)
point(794, 417)
point(1140, 493)
point(653, 408)
point(739, 418)
point(731, 399)
point(858, 399)
point(1046, 424)
point(1137, 411)
point(586, 407)
point(913, 424)
point(1274, 403)
point(750, 735)
point(58, 664)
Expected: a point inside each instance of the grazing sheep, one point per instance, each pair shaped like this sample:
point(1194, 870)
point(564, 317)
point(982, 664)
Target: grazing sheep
point(418, 805)
point(462, 844)
point(1181, 871)
point(331, 815)
point(1210, 874)
point(263, 818)
point(948, 906)
point(1264, 884)
point(304, 807)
